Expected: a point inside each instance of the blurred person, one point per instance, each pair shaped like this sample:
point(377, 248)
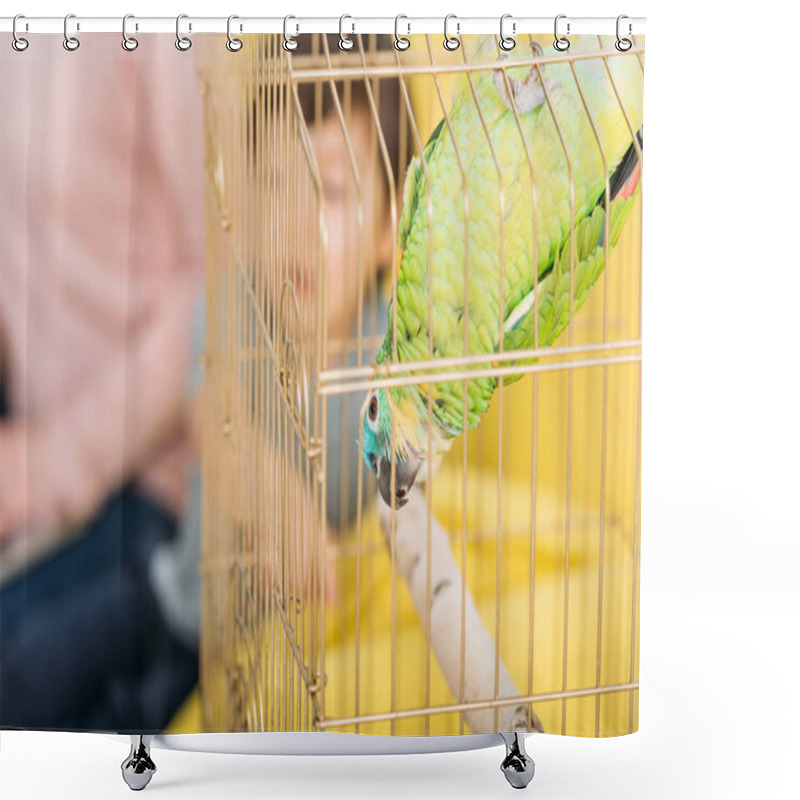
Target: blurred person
point(118, 608)
point(101, 259)
point(173, 567)
point(337, 143)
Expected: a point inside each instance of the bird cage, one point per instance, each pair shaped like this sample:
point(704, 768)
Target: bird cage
point(505, 594)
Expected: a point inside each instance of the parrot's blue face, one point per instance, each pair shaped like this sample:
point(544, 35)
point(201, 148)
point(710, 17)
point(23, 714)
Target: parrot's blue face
point(377, 451)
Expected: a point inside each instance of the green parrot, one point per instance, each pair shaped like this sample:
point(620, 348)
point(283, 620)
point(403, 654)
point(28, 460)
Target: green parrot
point(499, 189)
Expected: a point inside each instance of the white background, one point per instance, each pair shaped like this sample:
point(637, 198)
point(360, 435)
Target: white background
point(720, 697)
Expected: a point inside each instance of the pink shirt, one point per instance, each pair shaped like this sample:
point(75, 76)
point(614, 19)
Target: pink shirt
point(101, 259)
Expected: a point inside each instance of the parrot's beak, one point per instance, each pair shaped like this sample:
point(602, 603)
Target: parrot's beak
point(405, 472)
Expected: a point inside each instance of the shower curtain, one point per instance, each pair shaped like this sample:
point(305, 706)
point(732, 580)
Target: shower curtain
point(320, 380)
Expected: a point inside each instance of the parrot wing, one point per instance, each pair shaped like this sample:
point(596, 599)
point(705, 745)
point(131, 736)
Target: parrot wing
point(554, 283)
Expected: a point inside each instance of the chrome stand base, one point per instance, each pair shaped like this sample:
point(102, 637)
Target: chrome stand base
point(517, 766)
point(138, 768)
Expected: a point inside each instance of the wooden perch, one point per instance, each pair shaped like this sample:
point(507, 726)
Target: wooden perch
point(445, 622)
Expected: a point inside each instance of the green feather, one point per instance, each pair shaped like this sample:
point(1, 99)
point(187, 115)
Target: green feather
point(534, 239)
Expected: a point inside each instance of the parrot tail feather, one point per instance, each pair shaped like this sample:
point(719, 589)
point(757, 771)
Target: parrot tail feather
point(626, 175)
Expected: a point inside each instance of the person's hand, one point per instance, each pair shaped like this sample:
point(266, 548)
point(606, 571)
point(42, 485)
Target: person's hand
point(40, 485)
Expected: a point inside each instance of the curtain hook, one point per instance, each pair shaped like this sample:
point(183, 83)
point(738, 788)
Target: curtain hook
point(233, 44)
point(451, 42)
point(623, 44)
point(17, 42)
point(400, 42)
point(129, 43)
point(289, 42)
point(71, 43)
point(507, 42)
point(345, 42)
point(183, 43)
point(561, 43)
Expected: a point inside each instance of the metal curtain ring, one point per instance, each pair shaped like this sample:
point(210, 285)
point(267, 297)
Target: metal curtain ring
point(183, 43)
point(289, 43)
point(233, 44)
point(17, 42)
point(128, 42)
point(71, 43)
point(451, 42)
point(507, 42)
point(345, 42)
point(623, 44)
point(561, 43)
point(400, 42)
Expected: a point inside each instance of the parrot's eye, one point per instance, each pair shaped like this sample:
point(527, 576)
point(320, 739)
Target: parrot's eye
point(372, 413)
